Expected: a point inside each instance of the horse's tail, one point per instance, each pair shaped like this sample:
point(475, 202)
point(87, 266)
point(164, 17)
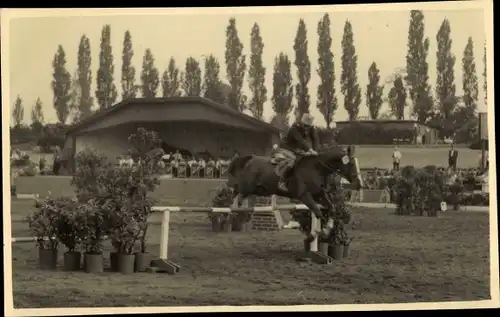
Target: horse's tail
point(237, 164)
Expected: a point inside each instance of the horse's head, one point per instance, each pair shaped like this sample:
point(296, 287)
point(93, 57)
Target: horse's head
point(344, 162)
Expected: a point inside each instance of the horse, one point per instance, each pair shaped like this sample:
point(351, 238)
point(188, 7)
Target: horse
point(307, 181)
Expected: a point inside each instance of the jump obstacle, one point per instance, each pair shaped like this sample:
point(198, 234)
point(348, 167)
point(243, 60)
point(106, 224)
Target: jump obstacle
point(163, 264)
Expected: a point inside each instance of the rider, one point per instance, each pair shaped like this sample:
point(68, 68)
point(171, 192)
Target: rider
point(301, 137)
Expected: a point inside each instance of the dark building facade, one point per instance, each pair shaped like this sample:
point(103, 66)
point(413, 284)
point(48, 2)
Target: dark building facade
point(194, 124)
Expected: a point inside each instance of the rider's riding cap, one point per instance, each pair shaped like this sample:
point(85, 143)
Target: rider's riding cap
point(307, 119)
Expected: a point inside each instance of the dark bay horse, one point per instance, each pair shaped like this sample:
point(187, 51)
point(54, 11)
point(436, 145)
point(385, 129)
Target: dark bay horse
point(256, 175)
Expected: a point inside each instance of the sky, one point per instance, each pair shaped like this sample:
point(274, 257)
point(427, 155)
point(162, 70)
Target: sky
point(380, 35)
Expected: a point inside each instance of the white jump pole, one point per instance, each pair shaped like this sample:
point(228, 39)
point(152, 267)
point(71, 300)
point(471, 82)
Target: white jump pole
point(165, 227)
point(315, 224)
point(163, 262)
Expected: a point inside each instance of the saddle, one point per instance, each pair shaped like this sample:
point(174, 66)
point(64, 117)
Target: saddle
point(279, 160)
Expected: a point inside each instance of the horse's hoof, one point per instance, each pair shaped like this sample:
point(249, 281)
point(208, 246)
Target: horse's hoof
point(326, 232)
point(330, 224)
point(310, 238)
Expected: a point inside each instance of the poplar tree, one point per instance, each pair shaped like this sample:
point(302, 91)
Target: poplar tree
point(37, 112)
point(374, 92)
point(235, 66)
point(212, 84)
point(417, 77)
point(397, 99)
point(106, 93)
point(282, 87)
point(171, 80)
point(18, 112)
point(327, 101)
point(257, 74)
point(303, 69)
point(150, 76)
point(129, 87)
point(349, 78)
point(84, 79)
point(61, 86)
point(191, 84)
point(445, 85)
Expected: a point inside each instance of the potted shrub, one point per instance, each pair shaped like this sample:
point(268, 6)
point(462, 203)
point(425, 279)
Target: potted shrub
point(345, 240)
point(94, 229)
point(142, 211)
point(89, 168)
point(126, 235)
point(42, 223)
point(70, 233)
point(222, 198)
point(335, 246)
point(145, 148)
point(123, 232)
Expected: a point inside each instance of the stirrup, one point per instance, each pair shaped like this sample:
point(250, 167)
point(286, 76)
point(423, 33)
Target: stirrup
point(282, 184)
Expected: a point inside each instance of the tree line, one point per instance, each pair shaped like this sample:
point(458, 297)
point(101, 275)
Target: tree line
point(409, 89)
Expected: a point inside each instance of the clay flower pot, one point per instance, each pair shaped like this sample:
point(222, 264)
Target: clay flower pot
point(323, 248)
point(142, 261)
point(93, 263)
point(336, 251)
point(72, 261)
point(125, 263)
point(47, 259)
point(346, 251)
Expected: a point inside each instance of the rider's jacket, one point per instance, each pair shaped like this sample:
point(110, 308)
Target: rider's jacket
point(300, 137)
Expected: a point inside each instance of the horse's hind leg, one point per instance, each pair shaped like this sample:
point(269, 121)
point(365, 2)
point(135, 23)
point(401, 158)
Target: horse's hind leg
point(308, 200)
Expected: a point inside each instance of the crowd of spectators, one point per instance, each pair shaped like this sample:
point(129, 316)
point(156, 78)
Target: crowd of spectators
point(178, 166)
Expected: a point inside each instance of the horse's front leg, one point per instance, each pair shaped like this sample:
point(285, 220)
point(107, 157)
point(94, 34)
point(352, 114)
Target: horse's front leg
point(309, 201)
point(331, 211)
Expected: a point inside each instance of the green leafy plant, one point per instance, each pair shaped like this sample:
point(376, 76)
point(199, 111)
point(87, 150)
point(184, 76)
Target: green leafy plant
point(44, 222)
point(94, 225)
point(419, 191)
point(147, 152)
point(70, 224)
point(89, 168)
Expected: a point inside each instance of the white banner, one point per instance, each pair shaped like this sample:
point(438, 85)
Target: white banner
point(483, 125)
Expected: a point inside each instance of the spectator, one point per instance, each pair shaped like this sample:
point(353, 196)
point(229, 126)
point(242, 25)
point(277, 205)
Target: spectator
point(166, 157)
point(192, 166)
point(161, 165)
point(396, 159)
point(201, 165)
point(452, 159)
point(218, 164)
point(41, 164)
point(177, 156)
point(385, 198)
point(56, 167)
point(175, 166)
point(210, 168)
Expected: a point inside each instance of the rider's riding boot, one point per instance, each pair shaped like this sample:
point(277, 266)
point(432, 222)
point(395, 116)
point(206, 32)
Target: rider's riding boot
point(283, 174)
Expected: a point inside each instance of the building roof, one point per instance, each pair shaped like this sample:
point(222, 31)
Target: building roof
point(379, 121)
point(166, 102)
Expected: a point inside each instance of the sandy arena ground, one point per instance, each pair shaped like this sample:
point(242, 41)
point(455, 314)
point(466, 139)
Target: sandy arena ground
point(394, 259)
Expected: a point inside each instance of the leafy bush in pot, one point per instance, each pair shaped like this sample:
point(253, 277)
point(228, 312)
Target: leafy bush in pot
point(419, 191)
point(146, 151)
point(94, 225)
point(70, 225)
point(44, 221)
point(89, 167)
